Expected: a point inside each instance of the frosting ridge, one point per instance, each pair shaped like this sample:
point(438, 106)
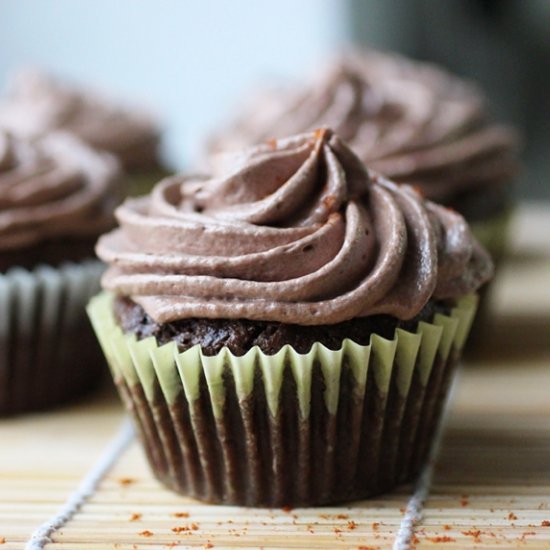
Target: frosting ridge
point(54, 187)
point(39, 103)
point(411, 121)
point(296, 231)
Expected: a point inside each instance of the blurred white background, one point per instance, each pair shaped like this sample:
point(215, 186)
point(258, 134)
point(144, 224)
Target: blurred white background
point(191, 60)
point(187, 60)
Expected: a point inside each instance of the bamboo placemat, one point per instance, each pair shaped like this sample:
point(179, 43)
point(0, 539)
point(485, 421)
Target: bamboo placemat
point(491, 484)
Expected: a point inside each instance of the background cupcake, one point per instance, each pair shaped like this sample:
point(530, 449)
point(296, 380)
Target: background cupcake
point(284, 330)
point(38, 103)
point(57, 195)
point(411, 121)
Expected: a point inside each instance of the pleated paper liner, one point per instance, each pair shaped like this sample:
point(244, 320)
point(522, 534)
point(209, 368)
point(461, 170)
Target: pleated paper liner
point(47, 350)
point(286, 429)
point(493, 233)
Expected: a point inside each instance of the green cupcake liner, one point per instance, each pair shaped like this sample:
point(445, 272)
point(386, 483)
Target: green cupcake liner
point(493, 233)
point(286, 429)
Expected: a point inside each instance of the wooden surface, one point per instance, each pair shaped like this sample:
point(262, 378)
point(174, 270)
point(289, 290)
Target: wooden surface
point(491, 487)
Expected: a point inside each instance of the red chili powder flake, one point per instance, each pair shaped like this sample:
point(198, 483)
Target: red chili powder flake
point(135, 517)
point(447, 527)
point(402, 510)
point(367, 547)
point(2, 540)
point(181, 515)
point(194, 526)
point(415, 539)
point(341, 516)
point(209, 545)
point(444, 538)
point(181, 529)
point(126, 480)
point(352, 525)
point(337, 531)
point(473, 533)
point(545, 523)
point(419, 190)
point(319, 133)
point(146, 533)
point(286, 509)
point(512, 516)
point(172, 544)
point(375, 526)
point(464, 501)
point(329, 201)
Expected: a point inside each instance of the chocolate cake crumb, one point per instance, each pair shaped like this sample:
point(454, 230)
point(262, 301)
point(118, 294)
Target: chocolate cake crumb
point(240, 335)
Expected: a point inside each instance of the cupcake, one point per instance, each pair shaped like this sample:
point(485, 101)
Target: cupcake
point(38, 104)
point(57, 196)
point(410, 121)
point(284, 331)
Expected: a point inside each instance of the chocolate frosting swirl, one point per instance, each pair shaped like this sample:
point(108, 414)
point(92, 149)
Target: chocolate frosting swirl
point(54, 187)
point(38, 104)
point(411, 121)
point(295, 231)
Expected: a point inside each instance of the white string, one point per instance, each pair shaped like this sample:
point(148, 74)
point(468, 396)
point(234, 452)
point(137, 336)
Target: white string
point(87, 488)
point(415, 506)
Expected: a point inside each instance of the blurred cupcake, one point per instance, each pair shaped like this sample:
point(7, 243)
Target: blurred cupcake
point(284, 331)
point(38, 104)
point(410, 121)
point(56, 196)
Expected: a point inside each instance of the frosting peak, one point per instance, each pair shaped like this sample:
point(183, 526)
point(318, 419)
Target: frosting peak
point(54, 187)
point(295, 231)
point(411, 121)
point(39, 103)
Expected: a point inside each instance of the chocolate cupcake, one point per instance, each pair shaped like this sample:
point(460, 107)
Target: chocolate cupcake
point(284, 330)
point(57, 196)
point(410, 121)
point(38, 104)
